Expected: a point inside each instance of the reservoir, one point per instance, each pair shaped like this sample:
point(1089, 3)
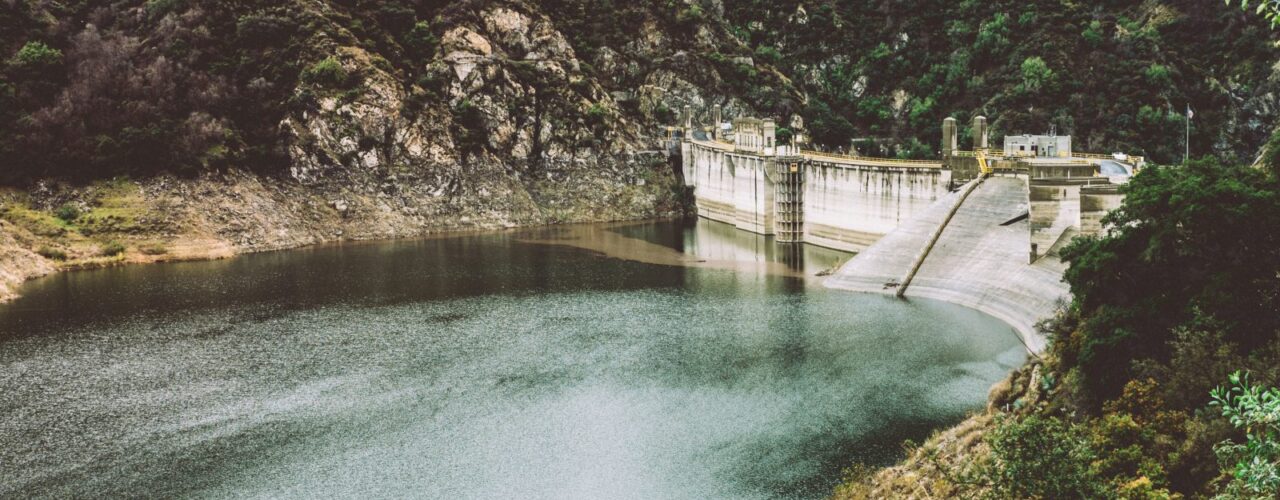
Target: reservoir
point(672, 359)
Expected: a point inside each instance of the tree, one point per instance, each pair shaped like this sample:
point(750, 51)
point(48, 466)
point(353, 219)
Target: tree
point(1036, 74)
point(36, 57)
point(1189, 245)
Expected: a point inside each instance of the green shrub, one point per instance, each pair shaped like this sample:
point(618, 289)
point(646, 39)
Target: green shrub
point(68, 212)
point(768, 55)
point(1184, 249)
point(36, 56)
point(1041, 457)
point(1158, 75)
point(111, 249)
point(420, 41)
point(327, 73)
point(1254, 467)
point(597, 113)
point(159, 8)
point(1036, 74)
point(1093, 34)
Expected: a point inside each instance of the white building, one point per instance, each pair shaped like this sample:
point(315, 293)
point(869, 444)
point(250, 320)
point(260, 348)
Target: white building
point(1049, 146)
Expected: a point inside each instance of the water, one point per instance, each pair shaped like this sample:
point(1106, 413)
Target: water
point(656, 360)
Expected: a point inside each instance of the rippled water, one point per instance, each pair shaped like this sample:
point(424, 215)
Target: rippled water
point(534, 364)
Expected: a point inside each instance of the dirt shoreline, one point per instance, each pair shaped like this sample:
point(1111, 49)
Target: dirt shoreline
point(51, 227)
point(205, 250)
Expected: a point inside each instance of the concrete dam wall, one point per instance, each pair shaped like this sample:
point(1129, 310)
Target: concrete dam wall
point(837, 202)
point(991, 246)
point(979, 260)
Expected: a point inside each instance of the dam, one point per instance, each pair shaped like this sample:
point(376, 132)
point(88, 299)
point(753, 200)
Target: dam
point(980, 228)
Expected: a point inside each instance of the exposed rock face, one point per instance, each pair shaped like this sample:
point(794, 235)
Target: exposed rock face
point(515, 133)
point(503, 127)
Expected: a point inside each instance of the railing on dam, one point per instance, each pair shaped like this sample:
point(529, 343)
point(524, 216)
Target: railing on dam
point(825, 157)
point(870, 160)
point(1079, 157)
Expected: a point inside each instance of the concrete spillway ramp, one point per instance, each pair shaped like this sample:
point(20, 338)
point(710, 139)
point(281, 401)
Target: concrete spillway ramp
point(976, 262)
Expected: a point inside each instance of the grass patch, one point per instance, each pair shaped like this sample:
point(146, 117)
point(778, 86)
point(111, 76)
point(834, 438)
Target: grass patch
point(118, 207)
point(111, 249)
point(39, 223)
point(49, 252)
point(153, 249)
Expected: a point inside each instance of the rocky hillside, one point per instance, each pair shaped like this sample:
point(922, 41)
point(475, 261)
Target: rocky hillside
point(246, 126)
point(265, 124)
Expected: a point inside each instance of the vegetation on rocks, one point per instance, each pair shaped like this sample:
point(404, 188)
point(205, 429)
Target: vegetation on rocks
point(1117, 76)
point(1181, 294)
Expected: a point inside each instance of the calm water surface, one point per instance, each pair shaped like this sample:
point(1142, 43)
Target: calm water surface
point(655, 360)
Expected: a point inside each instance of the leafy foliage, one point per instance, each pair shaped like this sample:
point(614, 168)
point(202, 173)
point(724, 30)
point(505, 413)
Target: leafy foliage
point(1041, 457)
point(1269, 9)
point(1028, 66)
point(1185, 249)
point(1254, 465)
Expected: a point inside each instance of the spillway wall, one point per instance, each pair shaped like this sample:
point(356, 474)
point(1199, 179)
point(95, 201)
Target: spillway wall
point(849, 207)
point(845, 205)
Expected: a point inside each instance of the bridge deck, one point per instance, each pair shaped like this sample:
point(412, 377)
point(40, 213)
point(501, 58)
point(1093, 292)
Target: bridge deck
point(976, 262)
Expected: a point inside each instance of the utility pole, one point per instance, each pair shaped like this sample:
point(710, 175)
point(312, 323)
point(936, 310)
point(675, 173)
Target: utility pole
point(1186, 155)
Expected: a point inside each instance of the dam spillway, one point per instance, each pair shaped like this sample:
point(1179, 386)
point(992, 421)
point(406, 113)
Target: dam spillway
point(979, 260)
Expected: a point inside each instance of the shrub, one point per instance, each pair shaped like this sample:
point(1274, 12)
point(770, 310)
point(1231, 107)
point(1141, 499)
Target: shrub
point(36, 56)
point(420, 41)
point(153, 249)
point(159, 8)
point(111, 249)
point(1036, 74)
point(52, 253)
point(1254, 467)
point(1184, 248)
point(1093, 34)
point(768, 55)
point(1158, 75)
point(1041, 457)
point(469, 127)
point(68, 212)
point(327, 73)
point(597, 113)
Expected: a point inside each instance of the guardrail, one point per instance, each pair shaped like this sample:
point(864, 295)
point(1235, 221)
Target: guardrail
point(872, 159)
point(723, 146)
point(726, 146)
point(1136, 160)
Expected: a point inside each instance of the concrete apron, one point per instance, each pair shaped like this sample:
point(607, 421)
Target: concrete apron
point(975, 262)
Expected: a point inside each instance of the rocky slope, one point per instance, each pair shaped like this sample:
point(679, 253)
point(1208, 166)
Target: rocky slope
point(941, 466)
point(502, 124)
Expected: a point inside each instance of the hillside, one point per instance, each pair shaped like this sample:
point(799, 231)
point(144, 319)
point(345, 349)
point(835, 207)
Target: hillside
point(247, 126)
